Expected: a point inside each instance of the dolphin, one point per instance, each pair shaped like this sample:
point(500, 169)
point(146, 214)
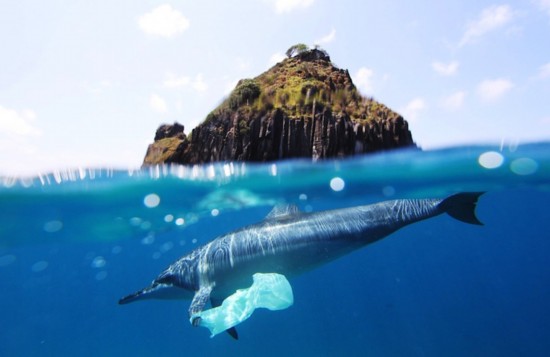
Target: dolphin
point(290, 242)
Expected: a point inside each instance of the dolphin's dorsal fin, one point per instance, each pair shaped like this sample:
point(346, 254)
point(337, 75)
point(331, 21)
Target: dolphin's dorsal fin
point(282, 210)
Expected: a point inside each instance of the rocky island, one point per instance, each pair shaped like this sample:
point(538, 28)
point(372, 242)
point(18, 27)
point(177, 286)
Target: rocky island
point(302, 107)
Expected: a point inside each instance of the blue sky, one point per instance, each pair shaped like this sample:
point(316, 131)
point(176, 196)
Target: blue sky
point(86, 83)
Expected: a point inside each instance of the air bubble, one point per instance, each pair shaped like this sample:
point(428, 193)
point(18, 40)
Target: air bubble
point(135, 221)
point(490, 159)
point(166, 247)
point(98, 262)
point(101, 275)
point(149, 239)
point(7, 260)
point(337, 184)
point(524, 166)
point(388, 191)
point(151, 200)
point(39, 266)
point(53, 226)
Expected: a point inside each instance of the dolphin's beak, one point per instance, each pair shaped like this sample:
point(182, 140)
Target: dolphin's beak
point(130, 298)
point(145, 293)
point(153, 291)
point(156, 291)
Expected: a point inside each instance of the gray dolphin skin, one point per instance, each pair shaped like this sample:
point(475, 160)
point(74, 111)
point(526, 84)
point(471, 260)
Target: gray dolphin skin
point(291, 242)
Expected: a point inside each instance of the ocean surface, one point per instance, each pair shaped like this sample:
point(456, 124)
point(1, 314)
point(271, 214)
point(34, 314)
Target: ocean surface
point(73, 242)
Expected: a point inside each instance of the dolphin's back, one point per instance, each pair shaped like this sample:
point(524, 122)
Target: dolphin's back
point(294, 243)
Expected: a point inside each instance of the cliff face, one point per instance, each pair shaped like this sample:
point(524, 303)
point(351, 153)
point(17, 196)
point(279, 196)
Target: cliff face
point(303, 107)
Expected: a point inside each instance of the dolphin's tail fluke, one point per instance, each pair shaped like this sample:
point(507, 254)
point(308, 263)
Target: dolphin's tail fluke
point(462, 206)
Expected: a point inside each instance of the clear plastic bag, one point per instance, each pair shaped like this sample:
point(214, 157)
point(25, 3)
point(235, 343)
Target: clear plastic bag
point(271, 291)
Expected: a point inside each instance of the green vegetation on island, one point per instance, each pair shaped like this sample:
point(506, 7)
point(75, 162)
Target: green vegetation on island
point(303, 106)
point(304, 83)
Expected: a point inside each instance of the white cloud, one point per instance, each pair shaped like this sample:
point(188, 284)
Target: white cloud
point(544, 70)
point(242, 64)
point(492, 89)
point(454, 101)
point(363, 80)
point(490, 19)
point(176, 82)
point(179, 106)
point(413, 109)
point(327, 38)
point(158, 103)
point(17, 123)
point(196, 83)
point(445, 69)
point(163, 21)
point(544, 5)
point(100, 87)
point(276, 58)
point(282, 6)
point(199, 84)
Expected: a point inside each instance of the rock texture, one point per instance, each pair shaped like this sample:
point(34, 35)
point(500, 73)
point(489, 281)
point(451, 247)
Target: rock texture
point(303, 107)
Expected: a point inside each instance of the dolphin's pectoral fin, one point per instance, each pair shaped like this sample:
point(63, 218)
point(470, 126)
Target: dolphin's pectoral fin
point(198, 303)
point(195, 321)
point(232, 331)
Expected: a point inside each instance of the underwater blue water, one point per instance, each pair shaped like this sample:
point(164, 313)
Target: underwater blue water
point(73, 242)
